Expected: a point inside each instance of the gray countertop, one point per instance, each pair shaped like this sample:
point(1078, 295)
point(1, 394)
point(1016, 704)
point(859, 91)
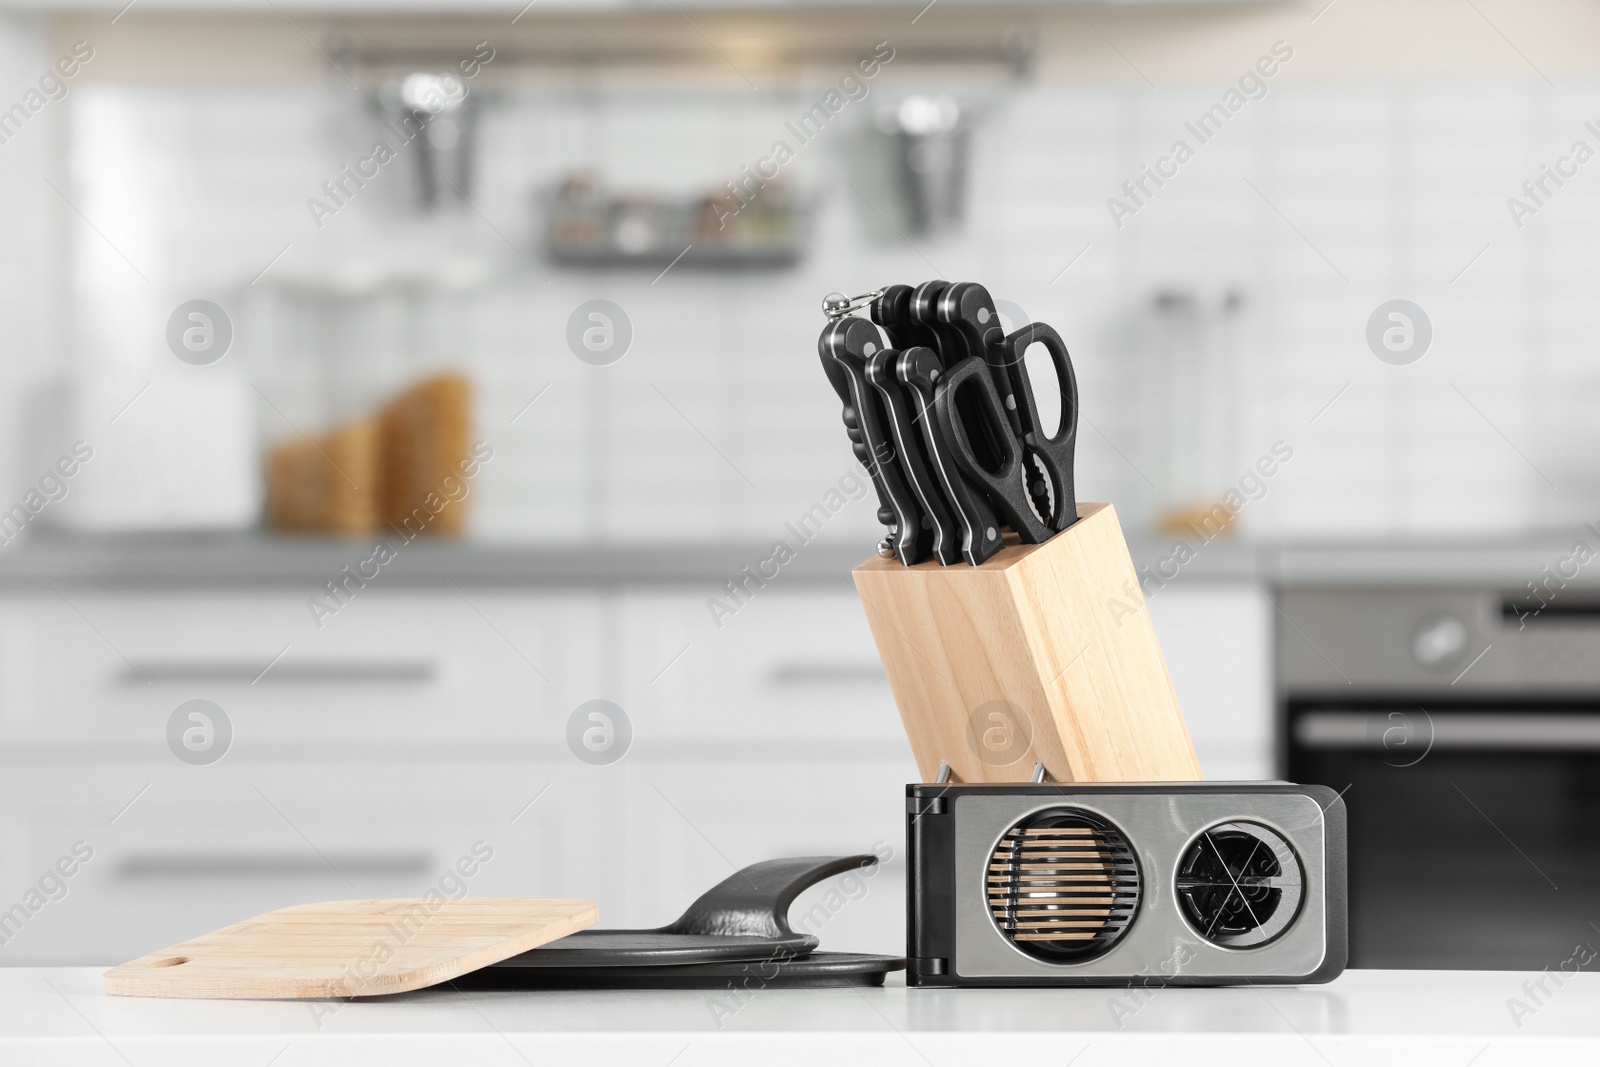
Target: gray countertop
point(189, 560)
point(254, 559)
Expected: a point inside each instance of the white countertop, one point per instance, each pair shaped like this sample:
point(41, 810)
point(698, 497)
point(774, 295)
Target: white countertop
point(61, 1016)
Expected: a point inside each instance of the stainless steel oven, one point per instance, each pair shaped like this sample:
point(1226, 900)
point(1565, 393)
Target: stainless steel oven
point(1462, 726)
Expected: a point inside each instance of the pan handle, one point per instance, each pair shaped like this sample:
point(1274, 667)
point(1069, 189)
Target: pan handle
point(754, 902)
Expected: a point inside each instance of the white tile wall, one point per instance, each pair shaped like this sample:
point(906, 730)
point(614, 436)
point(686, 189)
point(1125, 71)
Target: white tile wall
point(1318, 203)
point(28, 263)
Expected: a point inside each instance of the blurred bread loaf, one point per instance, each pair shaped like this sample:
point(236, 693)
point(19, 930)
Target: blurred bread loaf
point(329, 483)
point(425, 437)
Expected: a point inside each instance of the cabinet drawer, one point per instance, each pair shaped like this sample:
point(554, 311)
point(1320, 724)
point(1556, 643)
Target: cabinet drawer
point(389, 667)
point(795, 673)
point(180, 852)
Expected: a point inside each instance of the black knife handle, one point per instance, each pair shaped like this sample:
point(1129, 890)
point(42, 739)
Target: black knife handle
point(923, 307)
point(967, 309)
point(966, 312)
point(979, 529)
point(968, 405)
point(845, 346)
point(892, 311)
point(1054, 453)
point(909, 446)
point(840, 380)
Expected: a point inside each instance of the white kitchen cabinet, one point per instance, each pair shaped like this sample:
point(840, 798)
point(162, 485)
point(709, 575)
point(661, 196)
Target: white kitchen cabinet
point(180, 850)
point(365, 762)
point(772, 735)
point(1217, 639)
point(420, 720)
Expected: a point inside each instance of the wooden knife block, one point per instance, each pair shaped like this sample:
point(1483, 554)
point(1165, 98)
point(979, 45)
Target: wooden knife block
point(1027, 658)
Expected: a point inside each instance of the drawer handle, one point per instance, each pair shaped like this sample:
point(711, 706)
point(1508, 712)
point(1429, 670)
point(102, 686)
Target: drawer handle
point(823, 673)
point(1574, 613)
point(1450, 730)
point(142, 865)
point(314, 672)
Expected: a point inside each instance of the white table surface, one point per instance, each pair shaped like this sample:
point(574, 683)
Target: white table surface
point(1364, 1019)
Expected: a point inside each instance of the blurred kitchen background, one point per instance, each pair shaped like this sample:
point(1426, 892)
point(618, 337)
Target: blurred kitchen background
point(575, 152)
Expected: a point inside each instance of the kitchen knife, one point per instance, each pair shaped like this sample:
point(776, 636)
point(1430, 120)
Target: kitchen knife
point(978, 528)
point(892, 311)
point(954, 344)
point(968, 310)
point(840, 380)
point(923, 306)
point(844, 347)
point(902, 415)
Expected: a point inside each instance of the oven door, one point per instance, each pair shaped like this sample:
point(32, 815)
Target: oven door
point(1474, 827)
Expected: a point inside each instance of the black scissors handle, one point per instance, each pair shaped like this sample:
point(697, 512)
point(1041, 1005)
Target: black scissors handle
point(844, 347)
point(920, 370)
point(1052, 453)
point(968, 408)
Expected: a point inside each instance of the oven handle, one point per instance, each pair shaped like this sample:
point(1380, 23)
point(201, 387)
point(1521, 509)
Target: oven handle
point(1419, 729)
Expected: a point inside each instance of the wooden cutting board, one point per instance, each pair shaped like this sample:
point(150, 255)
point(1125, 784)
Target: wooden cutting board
point(351, 948)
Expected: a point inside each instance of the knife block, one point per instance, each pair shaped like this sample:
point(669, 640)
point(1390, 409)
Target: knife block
point(1042, 654)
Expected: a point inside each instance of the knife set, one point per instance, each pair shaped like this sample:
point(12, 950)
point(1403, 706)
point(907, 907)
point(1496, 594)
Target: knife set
point(945, 419)
point(988, 598)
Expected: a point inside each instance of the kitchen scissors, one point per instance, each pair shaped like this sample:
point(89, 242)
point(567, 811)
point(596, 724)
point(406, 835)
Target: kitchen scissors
point(987, 408)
